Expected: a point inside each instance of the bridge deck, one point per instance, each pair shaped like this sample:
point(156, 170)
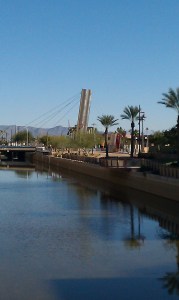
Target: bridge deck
point(17, 148)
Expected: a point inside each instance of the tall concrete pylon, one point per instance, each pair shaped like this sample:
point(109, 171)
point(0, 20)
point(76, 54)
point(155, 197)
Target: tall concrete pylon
point(84, 110)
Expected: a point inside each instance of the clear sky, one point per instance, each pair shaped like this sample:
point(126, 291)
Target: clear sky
point(125, 51)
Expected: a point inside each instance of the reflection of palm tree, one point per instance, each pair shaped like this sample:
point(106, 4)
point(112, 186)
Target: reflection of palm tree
point(134, 240)
point(133, 243)
point(83, 192)
point(171, 279)
point(171, 282)
point(23, 173)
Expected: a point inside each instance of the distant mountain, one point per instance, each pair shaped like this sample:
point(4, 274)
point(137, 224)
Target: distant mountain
point(10, 130)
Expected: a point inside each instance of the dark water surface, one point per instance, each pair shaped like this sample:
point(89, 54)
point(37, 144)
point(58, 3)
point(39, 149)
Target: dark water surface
point(69, 238)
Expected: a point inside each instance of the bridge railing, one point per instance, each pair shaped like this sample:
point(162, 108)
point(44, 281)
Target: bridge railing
point(160, 168)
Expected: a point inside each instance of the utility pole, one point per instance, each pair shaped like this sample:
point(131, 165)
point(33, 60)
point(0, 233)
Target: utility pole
point(27, 136)
point(139, 129)
point(141, 119)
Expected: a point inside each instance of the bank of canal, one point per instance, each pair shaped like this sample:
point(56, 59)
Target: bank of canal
point(129, 177)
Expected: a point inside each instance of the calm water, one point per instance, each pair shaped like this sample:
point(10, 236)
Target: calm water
point(65, 238)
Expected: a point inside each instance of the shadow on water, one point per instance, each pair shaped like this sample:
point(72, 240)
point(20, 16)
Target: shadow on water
point(90, 183)
point(24, 173)
point(149, 204)
point(164, 211)
point(171, 279)
point(107, 289)
point(85, 239)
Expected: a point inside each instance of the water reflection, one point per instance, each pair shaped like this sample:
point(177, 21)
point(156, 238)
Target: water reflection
point(134, 240)
point(83, 194)
point(69, 237)
point(24, 173)
point(171, 279)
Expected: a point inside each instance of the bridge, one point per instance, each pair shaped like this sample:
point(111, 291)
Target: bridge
point(15, 153)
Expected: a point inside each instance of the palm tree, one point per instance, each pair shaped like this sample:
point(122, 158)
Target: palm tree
point(171, 99)
point(171, 279)
point(131, 113)
point(107, 121)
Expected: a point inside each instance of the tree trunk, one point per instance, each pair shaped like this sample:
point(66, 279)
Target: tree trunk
point(132, 138)
point(178, 139)
point(106, 142)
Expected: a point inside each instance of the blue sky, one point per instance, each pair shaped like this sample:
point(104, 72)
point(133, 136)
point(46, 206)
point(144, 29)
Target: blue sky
point(125, 51)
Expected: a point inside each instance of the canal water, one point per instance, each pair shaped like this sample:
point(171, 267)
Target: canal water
point(67, 237)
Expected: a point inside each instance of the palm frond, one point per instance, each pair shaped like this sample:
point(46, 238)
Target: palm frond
point(130, 113)
point(171, 99)
point(107, 120)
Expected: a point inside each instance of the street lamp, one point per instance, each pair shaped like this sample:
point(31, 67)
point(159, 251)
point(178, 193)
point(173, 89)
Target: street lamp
point(141, 119)
point(27, 136)
point(132, 138)
point(94, 137)
point(147, 144)
point(139, 128)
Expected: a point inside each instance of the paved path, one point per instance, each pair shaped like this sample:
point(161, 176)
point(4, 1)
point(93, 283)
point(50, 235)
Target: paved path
point(111, 154)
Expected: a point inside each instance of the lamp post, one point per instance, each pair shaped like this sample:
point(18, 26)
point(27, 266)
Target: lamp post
point(47, 139)
point(139, 128)
point(132, 138)
point(141, 119)
point(27, 136)
point(147, 144)
point(21, 136)
point(94, 138)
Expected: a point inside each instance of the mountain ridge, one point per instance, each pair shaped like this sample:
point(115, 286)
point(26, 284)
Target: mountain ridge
point(7, 131)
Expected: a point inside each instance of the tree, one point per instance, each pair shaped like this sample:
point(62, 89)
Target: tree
point(107, 121)
point(85, 140)
point(3, 135)
point(72, 131)
point(59, 142)
point(23, 137)
point(131, 113)
point(171, 136)
point(44, 139)
point(171, 100)
point(158, 139)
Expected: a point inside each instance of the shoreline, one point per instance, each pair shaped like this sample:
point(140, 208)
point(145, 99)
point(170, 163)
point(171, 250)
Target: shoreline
point(126, 177)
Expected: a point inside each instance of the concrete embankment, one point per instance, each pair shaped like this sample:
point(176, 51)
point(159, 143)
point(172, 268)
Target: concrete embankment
point(126, 177)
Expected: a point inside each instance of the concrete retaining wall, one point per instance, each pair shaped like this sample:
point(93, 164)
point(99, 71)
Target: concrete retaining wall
point(127, 177)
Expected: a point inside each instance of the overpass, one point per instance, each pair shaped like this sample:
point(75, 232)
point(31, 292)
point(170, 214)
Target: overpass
point(15, 153)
